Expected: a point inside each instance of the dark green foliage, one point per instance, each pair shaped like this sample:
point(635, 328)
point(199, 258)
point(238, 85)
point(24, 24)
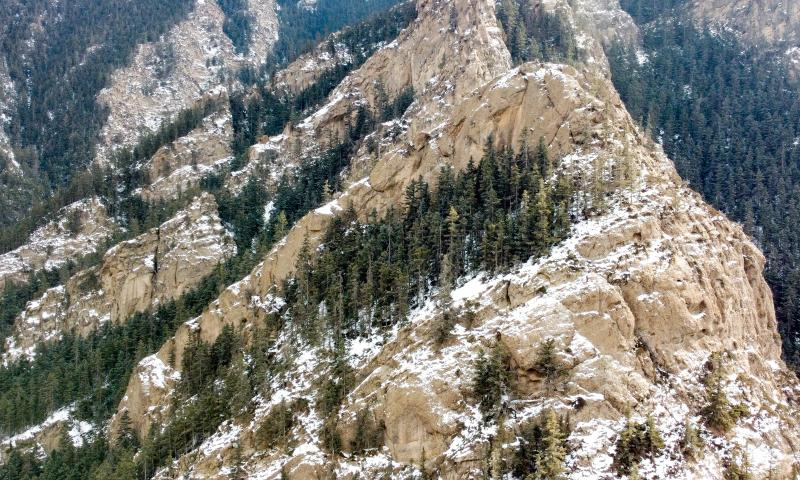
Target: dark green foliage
point(729, 117)
point(56, 130)
point(635, 442)
point(738, 468)
point(531, 33)
point(542, 448)
point(244, 212)
point(92, 370)
point(368, 275)
point(237, 23)
point(275, 427)
point(114, 187)
point(547, 363)
point(719, 414)
point(491, 381)
point(302, 27)
point(369, 433)
point(645, 11)
point(268, 112)
point(336, 387)
point(203, 362)
point(126, 436)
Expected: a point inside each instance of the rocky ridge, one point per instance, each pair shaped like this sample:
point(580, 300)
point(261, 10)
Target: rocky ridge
point(77, 230)
point(179, 166)
point(192, 60)
point(638, 298)
point(134, 276)
point(772, 25)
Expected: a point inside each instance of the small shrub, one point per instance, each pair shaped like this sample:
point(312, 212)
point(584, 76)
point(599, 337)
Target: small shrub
point(275, 427)
point(719, 413)
point(636, 441)
point(738, 469)
point(369, 433)
point(692, 443)
point(444, 325)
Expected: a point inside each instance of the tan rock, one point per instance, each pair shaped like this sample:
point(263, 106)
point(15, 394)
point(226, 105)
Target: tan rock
point(76, 230)
point(157, 266)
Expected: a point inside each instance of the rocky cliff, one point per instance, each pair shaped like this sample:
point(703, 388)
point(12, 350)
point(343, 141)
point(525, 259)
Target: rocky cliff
point(193, 59)
point(771, 25)
point(652, 292)
point(77, 230)
point(135, 275)
point(638, 299)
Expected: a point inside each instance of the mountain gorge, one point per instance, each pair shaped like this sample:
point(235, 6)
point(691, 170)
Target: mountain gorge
point(433, 244)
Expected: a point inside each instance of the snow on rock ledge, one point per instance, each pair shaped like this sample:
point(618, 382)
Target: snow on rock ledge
point(79, 229)
point(134, 275)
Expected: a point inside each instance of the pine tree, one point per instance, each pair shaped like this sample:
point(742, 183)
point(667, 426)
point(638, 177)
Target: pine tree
point(547, 363)
point(126, 435)
point(718, 413)
point(491, 380)
point(543, 209)
point(550, 458)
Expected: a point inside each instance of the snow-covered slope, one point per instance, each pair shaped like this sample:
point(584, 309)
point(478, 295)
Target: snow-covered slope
point(77, 229)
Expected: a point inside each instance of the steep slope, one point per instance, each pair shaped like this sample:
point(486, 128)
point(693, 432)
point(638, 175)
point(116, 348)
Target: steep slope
point(638, 300)
point(155, 267)
point(78, 229)
point(723, 106)
point(773, 25)
point(194, 59)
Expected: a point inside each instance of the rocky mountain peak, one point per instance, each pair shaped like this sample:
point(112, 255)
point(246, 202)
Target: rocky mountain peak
point(623, 327)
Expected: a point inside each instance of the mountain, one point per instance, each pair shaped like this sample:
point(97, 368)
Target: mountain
point(719, 92)
point(435, 244)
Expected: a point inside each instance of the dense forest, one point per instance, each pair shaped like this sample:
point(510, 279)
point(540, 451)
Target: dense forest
point(729, 117)
point(31, 389)
point(531, 33)
point(268, 111)
point(59, 69)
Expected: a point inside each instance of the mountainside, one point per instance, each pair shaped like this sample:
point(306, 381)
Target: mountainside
point(435, 245)
point(724, 107)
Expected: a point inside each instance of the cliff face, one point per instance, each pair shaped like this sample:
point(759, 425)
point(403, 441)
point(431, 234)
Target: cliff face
point(765, 22)
point(179, 166)
point(640, 299)
point(135, 275)
point(637, 299)
point(77, 229)
point(195, 58)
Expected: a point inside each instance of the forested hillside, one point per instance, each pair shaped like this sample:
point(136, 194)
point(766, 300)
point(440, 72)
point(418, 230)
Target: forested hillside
point(59, 56)
point(729, 117)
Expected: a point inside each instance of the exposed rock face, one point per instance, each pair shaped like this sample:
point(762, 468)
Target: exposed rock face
point(46, 437)
point(194, 59)
point(765, 22)
point(78, 229)
point(637, 299)
point(180, 165)
point(135, 275)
